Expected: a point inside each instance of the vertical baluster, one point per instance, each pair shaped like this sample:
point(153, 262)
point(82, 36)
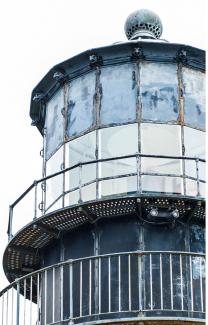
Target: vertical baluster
point(119, 283)
point(31, 292)
point(201, 286)
point(80, 293)
point(38, 298)
point(140, 281)
point(151, 293)
point(18, 304)
point(7, 305)
point(171, 281)
point(109, 284)
point(12, 311)
point(45, 298)
point(99, 285)
point(71, 289)
point(53, 295)
point(24, 304)
point(2, 310)
point(161, 282)
point(181, 276)
point(191, 282)
point(90, 286)
point(129, 279)
point(61, 291)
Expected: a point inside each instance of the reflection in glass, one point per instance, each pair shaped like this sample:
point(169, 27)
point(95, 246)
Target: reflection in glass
point(194, 94)
point(117, 167)
point(194, 141)
point(79, 150)
point(159, 94)
point(160, 139)
point(162, 184)
point(124, 185)
point(54, 123)
point(191, 187)
point(80, 112)
point(161, 165)
point(54, 185)
point(118, 141)
point(89, 192)
point(119, 105)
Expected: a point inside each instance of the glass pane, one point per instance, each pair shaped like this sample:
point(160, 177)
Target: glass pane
point(117, 167)
point(54, 123)
point(160, 139)
point(162, 184)
point(194, 141)
point(72, 198)
point(124, 185)
point(191, 187)
point(202, 189)
point(89, 192)
point(118, 141)
point(160, 165)
point(88, 173)
point(159, 94)
point(190, 168)
point(80, 112)
point(119, 105)
point(82, 149)
point(194, 94)
point(202, 171)
point(54, 186)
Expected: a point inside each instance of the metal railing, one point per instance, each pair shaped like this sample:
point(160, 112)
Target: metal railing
point(48, 196)
point(120, 285)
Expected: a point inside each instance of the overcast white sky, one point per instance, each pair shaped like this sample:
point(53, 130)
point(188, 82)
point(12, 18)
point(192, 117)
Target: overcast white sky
point(36, 35)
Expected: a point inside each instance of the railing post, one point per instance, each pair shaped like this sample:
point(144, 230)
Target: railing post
point(18, 304)
point(197, 176)
point(80, 183)
point(10, 223)
point(35, 201)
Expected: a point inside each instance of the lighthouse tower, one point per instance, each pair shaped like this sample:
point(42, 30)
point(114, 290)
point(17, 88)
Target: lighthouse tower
point(115, 227)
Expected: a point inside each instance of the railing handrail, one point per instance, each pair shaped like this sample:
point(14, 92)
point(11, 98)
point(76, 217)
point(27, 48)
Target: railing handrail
point(81, 164)
point(35, 182)
point(94, 257)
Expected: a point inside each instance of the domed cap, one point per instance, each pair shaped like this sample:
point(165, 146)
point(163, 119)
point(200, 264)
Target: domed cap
point(143, 23)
